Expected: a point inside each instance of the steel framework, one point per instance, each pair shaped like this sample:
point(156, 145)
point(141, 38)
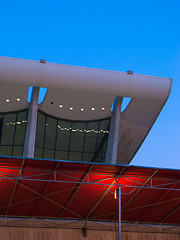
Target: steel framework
point(70, 186)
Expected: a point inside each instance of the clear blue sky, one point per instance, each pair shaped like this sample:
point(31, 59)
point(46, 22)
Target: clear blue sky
point(141, 35)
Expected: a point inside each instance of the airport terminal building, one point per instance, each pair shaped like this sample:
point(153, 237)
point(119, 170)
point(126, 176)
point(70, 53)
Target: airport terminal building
point(65, 147)
point(80, 117)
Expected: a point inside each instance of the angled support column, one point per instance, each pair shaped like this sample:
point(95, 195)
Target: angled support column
point(112, 144)
point(30, 137)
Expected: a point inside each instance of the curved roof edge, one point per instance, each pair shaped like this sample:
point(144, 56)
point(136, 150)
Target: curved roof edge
point(50, 75)
point(88, 88)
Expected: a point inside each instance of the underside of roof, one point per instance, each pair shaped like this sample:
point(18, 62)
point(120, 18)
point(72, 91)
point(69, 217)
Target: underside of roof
point(39, 188)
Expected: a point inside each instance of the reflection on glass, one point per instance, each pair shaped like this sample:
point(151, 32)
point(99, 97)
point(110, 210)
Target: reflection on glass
point(71, 140)
point(63, 135)
point(12, 133)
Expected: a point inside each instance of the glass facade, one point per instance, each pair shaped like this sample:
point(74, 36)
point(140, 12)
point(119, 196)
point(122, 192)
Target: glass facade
point(71, 140)
point(12, 133)
point(55, 138)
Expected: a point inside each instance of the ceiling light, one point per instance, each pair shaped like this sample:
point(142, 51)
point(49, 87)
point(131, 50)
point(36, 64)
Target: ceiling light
point(93, 109)
point(82, 109)
point(7, 100)
point(18, 99)
point(103, 108)
point(60, 106)
point(71, 108)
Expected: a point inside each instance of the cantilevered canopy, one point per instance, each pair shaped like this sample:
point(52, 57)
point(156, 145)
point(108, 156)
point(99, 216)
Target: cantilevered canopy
point(77, 87)
point(78, 93)
point(85, 191)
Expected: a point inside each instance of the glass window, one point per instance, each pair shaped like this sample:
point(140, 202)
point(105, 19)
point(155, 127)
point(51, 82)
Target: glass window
point(8, 130)
point(38, 152)
point(55, 138)
point(88, 157)
point(12, 133)
point(50, 133)
point(75, 156)
point(6, 150)
point(103, 133)
point(1, 126)
point(71, 140)
point(92, 132)
point(61, 155)
point(63, 135)
point(20, 128)
point(40, 130)
point(77, 137)
point(17, 151)
point(48, 153)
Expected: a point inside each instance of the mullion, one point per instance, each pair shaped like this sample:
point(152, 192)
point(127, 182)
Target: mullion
point(84, 143)
point(44, 136)
point(1, 126)
point(24, 132)
point(97, 137)
point(14, 135)
point(69, 141)
point(56, 138)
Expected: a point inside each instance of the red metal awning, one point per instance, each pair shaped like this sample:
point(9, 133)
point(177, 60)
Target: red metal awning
point(85, 191)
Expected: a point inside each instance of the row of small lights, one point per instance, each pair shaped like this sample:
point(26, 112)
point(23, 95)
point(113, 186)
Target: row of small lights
point(14, 123)
point(71, 108)
point(63, 129)
point(80, 130)
point(18, 99)
point(82, 109)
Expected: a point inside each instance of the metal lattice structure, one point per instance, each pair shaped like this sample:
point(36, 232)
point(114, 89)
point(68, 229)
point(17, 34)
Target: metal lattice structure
point(85, 191)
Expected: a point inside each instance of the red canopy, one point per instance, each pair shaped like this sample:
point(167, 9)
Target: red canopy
point(85, 191)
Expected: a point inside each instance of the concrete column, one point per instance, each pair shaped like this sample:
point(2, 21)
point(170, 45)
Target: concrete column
point(113, 137)
point(30, 137)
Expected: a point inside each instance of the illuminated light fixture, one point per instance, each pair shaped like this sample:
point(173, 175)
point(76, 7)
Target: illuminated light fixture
point(93, 109)
point(71, 108)
point(18, 99)
point(7, 100)
point(82, 109)
point(116, 193)
point(103, 108)
point(60, 106)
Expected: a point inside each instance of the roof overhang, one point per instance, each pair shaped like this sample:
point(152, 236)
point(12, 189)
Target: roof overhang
point(87, 88)
point(76, 86)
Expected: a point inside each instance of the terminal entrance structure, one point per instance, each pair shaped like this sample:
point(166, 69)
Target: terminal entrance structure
point(64, 156)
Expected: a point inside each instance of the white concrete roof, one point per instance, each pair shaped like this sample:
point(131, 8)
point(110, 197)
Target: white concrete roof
point(87, 88)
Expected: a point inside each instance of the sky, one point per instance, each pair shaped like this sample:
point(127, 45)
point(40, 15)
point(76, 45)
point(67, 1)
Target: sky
point(142, 36)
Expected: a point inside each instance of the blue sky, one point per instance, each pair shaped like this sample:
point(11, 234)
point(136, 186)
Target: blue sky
point(142, 36)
